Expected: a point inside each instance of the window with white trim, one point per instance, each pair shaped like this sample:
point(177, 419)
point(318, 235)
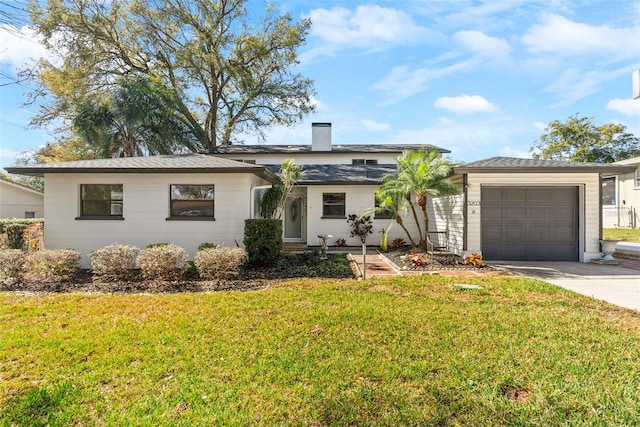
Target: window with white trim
point(637, 183)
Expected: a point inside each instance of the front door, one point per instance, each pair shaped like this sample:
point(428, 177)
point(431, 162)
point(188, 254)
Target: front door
point(293, 213)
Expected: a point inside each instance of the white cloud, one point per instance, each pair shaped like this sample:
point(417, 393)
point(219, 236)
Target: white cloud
point(371, 125)
point(557, 34)
point(628, 107)
point(320, 106)
point(480, 43)
point(8, 153)
point(402, 82)
point(539, 126)
point(369, 26)
point(20, 47)
point(575, 84)
point(466, 104)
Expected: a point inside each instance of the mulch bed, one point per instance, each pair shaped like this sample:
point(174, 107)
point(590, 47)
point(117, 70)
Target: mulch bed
point(250, 278)
point(402, 258)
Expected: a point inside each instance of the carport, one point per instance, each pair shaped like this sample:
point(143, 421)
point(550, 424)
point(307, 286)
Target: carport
point(532, 209)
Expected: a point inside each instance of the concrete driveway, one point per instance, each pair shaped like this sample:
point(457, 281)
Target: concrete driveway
point(611, 283)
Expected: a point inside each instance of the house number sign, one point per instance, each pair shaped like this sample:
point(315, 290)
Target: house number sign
point(473, 203)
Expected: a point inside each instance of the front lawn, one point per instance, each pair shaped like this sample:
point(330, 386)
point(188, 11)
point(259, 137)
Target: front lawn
point(622, 234)
point(400, 351)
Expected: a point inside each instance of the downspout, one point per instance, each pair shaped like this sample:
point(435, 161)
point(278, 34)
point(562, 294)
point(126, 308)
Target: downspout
point(464, 213)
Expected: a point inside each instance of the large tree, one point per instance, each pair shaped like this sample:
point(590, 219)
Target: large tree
point(139, 119)
point(231, 72)
point(580, 139)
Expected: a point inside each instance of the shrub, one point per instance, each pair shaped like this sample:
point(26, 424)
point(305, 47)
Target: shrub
point(15, 235)
point(341, 243)
point(474, 259)
point(398, 242)
point(33, 237)
point(207, 245)
point(263, 240)
point(11, 263)
point(12, 231)
point(156, 245)
point(219, 263)
point(114, 262)
point(59, 265)
point(164, 262)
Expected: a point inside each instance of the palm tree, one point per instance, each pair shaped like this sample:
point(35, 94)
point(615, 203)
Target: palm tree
point(140, 118)
point(420, 175)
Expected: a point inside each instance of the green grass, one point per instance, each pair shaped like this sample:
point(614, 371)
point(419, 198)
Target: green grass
point(621, 234)
point(400, 351)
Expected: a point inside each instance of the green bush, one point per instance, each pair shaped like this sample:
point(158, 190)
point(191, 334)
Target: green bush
point(219, 263)
point(165, 262)
point(206, 245)
point(11, 263)
point(59, 265)
point(13, 230)
point(156, 245)
point(15, 235)
point(5, 222)
point(263, 240)
point(114, 262)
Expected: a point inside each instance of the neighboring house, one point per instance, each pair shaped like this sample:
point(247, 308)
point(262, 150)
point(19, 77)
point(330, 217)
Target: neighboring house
point(20, 201)
point(511, 209)
point(621, 197)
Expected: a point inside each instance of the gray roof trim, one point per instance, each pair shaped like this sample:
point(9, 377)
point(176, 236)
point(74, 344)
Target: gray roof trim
point(516, 165)
point(306, 149)
point(191, 163)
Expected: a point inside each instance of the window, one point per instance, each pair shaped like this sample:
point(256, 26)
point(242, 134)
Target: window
point(364, 161)
point(333, 205)
point(386, 214)
point(101, 201)
point(192, 201)
point(637, 178)
point(252, 162)
point(29, 215)
point(609, 191)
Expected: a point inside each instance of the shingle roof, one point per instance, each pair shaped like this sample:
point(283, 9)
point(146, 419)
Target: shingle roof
point(346, 148)
point(516, 165)
point(342, 174)
point(188, 163)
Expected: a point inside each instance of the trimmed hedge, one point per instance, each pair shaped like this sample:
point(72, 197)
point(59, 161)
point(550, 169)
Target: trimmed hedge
point(114, 262)
point(59, 265)
point(219, 263)
point(263, 240)
point(163, 262)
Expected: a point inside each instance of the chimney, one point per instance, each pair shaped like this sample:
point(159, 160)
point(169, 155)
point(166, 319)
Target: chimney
point(320, 136)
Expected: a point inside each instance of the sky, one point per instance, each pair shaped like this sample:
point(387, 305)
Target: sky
point(479, 78)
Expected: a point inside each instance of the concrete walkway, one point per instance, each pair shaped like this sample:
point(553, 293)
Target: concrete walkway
point(617, 284)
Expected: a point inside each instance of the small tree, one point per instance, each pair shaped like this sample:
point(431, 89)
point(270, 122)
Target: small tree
point(421, 174)
point(361, 227)
point(274, 199)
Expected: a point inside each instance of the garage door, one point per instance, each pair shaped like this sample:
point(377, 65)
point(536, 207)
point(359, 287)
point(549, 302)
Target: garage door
point(530, 223)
